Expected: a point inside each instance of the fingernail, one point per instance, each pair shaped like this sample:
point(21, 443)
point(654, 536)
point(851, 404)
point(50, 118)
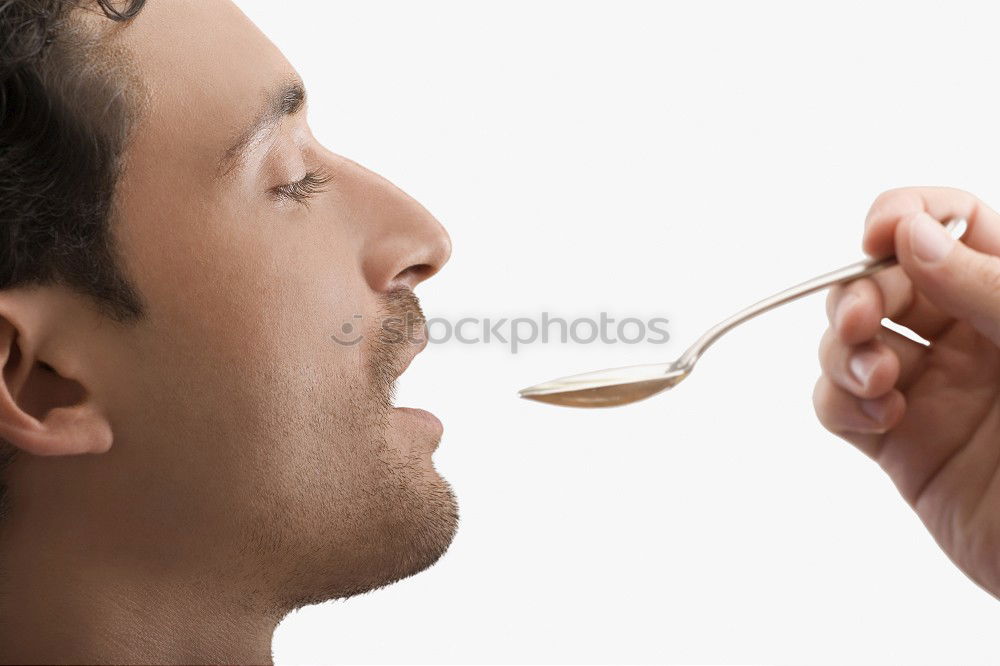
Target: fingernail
point(929, 239)
point(862, 364)
point(874, 409)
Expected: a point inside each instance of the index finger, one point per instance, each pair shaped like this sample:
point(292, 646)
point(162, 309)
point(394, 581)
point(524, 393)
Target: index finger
point(941, 203)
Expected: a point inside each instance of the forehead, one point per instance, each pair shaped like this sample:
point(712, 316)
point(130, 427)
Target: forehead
point(206, 69)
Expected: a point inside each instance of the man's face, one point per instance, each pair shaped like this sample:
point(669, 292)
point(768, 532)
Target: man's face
point(249, 442)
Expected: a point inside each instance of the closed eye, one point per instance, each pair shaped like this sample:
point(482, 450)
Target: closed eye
point(313, 183)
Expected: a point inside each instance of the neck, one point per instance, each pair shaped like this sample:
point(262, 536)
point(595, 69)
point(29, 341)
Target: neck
point(59, 603)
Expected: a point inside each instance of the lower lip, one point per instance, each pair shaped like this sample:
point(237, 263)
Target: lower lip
point(424, 420)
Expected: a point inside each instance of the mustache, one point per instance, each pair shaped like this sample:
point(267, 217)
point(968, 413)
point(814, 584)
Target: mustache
point(390, 340)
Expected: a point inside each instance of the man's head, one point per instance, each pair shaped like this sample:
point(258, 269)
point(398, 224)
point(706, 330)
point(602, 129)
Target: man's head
point(178, 257)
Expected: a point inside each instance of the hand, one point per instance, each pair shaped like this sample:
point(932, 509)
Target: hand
point(930, 416)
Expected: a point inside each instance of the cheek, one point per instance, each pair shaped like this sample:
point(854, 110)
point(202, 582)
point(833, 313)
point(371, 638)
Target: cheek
point(236, 276)
point(245, 357)
point(252, 340)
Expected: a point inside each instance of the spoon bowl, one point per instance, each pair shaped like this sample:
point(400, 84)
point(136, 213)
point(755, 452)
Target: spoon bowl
point(608, 388)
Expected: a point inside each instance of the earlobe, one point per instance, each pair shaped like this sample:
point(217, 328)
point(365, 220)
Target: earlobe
point(42, 412)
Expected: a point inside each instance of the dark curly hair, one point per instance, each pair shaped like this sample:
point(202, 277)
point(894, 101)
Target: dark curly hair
point(66, 109)
point(64, 120)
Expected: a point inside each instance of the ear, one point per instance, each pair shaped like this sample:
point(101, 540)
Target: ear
point(43, 412)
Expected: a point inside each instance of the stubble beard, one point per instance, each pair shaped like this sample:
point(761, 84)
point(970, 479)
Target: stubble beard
point(401, 516)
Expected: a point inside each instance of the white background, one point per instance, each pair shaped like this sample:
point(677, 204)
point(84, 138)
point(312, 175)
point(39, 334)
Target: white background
point(652, 159)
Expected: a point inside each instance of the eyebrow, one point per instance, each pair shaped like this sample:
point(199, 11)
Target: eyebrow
point(284, 99)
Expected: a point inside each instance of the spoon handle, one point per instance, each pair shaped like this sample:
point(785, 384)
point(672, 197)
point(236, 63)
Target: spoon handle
point(956, 227)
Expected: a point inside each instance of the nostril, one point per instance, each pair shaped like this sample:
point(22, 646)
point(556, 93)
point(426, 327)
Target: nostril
point(414, 275)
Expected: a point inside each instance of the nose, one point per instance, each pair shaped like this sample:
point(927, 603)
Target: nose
point(404, 244)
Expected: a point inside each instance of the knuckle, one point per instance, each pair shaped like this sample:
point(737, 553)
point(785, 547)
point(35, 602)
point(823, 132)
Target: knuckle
point(891, 195)
point(833, 297)
point(823, 403)
point(893, 201)
point(956, 193)
point(986, 272)
point(826, 343)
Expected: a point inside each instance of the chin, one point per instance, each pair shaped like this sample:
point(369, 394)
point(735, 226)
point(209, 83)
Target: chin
point(423, 546)
point(396, 528)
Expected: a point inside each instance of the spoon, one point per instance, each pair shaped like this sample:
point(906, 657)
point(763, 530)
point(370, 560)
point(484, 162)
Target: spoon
point(620, 386)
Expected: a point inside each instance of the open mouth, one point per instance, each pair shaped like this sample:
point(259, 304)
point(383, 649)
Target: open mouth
point(413, 348)
point(422, 425)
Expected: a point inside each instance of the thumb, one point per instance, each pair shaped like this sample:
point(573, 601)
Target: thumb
point(959, 280)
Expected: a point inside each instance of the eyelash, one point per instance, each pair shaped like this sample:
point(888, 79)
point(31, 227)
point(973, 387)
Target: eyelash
point(313, 183)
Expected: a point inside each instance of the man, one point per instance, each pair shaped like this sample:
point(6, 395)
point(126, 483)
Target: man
point(192, 451)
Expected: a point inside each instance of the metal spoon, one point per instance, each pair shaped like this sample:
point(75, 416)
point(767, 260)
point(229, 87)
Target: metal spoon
point(620, 386)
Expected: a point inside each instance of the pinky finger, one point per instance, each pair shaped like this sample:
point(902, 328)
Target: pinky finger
point(860, 422)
